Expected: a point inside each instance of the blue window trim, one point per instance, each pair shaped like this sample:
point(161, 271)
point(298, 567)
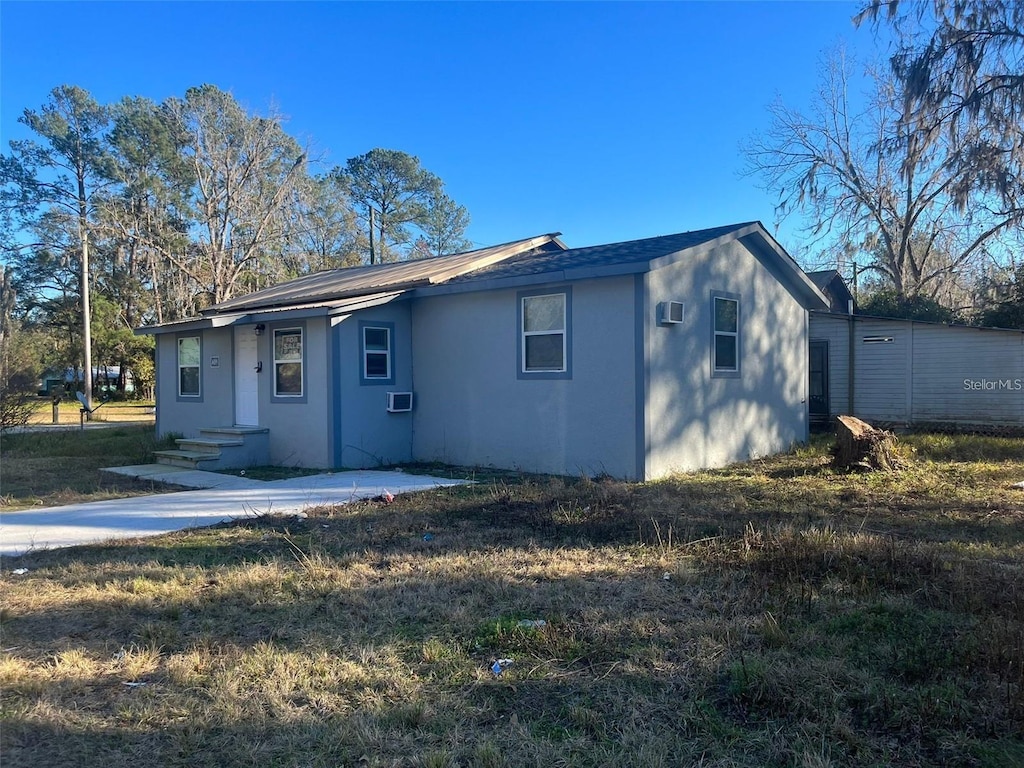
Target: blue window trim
point(727, 373)
point(523, 374)
point(370, 381)
point(177, 368)
point(284, 326)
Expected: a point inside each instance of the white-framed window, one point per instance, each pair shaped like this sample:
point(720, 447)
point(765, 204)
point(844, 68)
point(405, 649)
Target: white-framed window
point(189, 359)
point(725, 342)
point(288, 362)
point(376, 352)
point(544, 334)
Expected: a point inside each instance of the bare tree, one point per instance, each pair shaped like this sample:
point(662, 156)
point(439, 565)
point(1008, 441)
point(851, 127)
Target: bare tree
point(245, 169)
point(873, 183)
point(145, 219)
point(327, 232)
point(960, 64)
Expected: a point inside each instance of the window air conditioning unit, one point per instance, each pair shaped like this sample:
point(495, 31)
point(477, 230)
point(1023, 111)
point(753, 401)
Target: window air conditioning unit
point(399, 402)
point(670, 312)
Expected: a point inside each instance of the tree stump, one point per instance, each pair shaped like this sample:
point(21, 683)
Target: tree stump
point(861, 446)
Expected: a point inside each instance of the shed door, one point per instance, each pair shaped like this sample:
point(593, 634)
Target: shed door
point(247, 411)
point(818, 387)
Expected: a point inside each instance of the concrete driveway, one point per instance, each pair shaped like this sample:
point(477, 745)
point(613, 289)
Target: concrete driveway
point(219, 498)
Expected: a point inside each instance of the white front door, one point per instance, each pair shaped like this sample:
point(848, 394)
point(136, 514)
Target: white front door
point(247, 410)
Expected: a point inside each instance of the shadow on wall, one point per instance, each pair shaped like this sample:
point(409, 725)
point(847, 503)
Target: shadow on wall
point(698, 421)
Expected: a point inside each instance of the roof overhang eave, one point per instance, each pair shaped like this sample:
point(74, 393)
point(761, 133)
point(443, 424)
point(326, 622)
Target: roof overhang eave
point(328, 300)
point(791, 275)
point(188, 324)
point(271, 314)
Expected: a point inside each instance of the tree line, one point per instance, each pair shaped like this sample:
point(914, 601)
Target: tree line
point(915, 192)
point(118, 215)
point(136, 212)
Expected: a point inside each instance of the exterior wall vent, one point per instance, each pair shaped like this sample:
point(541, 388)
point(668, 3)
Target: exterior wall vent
point(878, 339)
point(670, 312)
point(399, 402)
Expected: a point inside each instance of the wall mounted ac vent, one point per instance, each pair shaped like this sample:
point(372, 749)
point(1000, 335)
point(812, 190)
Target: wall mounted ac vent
point(399, 402)
point(670, 312)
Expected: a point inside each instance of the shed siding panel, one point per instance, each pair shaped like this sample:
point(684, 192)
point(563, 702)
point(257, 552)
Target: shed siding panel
point(836, 331)
point(929, 373)
point(880, 390)
point(968, 375)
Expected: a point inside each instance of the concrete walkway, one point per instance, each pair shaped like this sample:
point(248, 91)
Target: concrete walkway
point(221, 497)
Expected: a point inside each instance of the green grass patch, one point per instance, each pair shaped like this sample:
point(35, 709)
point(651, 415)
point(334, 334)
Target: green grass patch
point(268, 474)
point(50, 468)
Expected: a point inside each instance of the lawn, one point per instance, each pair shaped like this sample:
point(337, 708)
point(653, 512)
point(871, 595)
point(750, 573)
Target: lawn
point(772, 613)
point(52, 468)
point(139, 411)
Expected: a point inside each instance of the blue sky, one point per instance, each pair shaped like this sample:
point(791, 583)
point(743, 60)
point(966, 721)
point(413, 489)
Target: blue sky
point(604, 121)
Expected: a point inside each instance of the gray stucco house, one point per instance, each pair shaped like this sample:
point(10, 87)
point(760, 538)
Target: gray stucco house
point(635, 359)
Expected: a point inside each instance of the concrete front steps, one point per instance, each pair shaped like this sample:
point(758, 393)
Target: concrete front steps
point(220, 448)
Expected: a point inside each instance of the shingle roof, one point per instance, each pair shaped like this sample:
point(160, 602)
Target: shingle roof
point(360, 281)
point(596, 256)
point(823, 277)
point(541, 258)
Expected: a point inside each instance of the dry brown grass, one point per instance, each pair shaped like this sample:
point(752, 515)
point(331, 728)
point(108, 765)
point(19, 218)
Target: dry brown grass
point(129, 412)
point(773, 613)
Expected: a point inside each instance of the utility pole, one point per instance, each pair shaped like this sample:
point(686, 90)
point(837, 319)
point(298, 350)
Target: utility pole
point(371, 235)
point(83, 237)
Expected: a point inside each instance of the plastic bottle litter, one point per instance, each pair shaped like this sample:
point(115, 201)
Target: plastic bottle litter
point(20, 571)
point(428, 537)
point(533, 623)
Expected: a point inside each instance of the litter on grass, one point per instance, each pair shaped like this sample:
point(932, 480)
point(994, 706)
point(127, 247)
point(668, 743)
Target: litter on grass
point(500, 665)
point(533, 623)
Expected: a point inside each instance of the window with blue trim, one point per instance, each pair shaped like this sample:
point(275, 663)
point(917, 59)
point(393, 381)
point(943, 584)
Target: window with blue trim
point(288, 362)
point(377, 364)
point(725, 349)
point(544, 333)
point(189, 357)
